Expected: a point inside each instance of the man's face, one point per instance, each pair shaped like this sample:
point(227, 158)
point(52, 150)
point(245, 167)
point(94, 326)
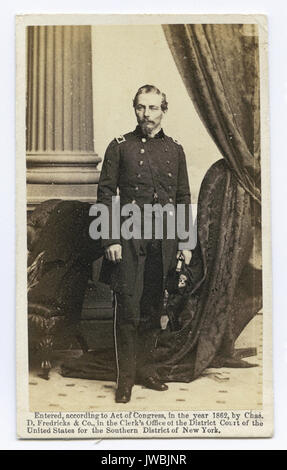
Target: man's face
point(148, 112)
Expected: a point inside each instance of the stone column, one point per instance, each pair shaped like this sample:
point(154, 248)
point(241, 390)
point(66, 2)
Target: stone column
point(61, 161)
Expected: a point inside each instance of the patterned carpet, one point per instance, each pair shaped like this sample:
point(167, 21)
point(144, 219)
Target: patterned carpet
point(220, 389)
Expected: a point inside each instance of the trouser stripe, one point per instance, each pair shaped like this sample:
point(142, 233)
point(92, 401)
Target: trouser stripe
point(115, 335)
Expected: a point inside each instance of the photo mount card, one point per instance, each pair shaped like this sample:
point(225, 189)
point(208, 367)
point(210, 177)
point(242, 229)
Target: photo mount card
point(124, 334)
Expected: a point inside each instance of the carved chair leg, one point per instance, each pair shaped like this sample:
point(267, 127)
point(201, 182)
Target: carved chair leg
point(46, 348)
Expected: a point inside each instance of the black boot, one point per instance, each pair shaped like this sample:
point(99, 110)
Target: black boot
point(123, 393)
point(154, 383)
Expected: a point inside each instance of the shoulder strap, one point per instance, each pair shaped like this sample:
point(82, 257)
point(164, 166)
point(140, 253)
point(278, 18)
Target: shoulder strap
point(120, 139)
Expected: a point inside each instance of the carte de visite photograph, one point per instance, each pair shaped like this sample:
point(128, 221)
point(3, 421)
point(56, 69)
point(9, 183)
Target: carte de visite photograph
point(144, 269)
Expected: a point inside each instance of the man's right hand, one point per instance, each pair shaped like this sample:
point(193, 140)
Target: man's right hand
point(114, 253)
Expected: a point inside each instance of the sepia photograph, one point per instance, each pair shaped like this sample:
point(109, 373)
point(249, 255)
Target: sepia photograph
point(143, 271)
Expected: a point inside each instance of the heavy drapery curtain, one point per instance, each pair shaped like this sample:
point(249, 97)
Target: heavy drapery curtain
point(219, 64)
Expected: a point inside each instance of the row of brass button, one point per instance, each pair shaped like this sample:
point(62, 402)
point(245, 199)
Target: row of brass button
point(143, 151)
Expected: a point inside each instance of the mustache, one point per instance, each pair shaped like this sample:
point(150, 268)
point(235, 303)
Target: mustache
point(147, 121)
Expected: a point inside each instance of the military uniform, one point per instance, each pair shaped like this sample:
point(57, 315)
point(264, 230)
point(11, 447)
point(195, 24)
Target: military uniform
point(145, 171)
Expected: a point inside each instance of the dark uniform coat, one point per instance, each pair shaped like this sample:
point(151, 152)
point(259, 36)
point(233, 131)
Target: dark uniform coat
point(144, 170)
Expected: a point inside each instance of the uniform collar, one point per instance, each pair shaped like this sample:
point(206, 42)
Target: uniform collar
point(138, 131)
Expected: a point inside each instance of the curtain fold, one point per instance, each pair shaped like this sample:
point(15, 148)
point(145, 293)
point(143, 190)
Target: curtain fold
point(213, 315)
point(219, 64)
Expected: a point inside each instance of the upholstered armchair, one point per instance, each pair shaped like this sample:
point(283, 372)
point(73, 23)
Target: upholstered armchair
point(60, 257)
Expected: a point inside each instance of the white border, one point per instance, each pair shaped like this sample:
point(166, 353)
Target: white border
point(277, 39)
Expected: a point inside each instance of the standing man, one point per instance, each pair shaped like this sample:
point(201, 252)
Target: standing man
point(144, 167)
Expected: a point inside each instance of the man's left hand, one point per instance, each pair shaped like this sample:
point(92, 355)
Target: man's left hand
point(187, 254)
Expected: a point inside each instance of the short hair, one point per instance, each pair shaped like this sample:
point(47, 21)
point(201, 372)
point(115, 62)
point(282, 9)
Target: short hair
point(151, 89)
